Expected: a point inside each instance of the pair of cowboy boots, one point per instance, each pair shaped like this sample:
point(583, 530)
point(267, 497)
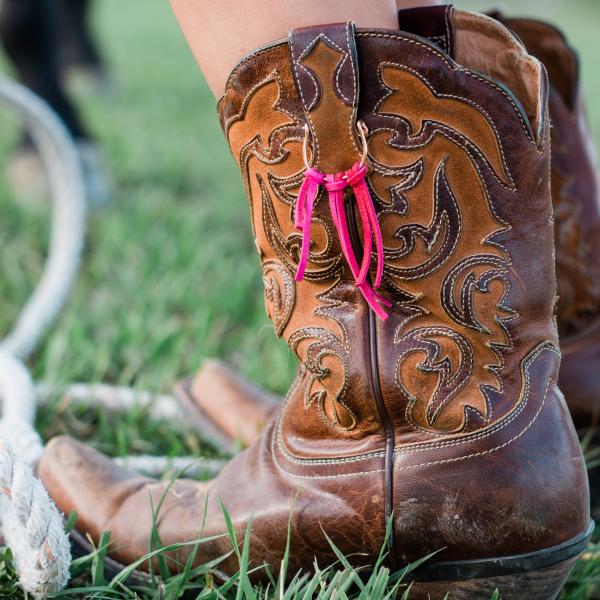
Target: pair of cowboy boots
point(399, 187)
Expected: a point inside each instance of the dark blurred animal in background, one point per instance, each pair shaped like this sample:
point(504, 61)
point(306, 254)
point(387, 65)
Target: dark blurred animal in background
point(47, 42)
point(77, 50)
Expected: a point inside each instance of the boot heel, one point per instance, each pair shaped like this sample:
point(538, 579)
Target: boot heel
point(543, 584)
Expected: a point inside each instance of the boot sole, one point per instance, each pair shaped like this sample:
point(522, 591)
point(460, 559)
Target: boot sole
point(543, 584)
point(536, 575)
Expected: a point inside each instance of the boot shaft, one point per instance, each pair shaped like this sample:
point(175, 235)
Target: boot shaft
point(458, 173)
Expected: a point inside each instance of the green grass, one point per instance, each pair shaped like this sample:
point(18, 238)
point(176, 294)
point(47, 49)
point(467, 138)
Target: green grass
point(170, 274)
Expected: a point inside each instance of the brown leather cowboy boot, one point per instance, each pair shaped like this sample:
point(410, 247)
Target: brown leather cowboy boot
point(426, 393)
point(576, 200)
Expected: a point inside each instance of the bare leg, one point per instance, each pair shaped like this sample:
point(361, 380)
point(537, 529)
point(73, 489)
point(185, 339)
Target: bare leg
point(220, 33)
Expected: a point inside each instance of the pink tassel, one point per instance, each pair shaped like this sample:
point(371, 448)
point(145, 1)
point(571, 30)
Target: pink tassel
point(335, 185)
point(304, 207)
point(356, 179)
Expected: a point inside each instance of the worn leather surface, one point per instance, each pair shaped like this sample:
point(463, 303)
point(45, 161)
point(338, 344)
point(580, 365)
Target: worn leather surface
point(576, 199)
point(446, 415)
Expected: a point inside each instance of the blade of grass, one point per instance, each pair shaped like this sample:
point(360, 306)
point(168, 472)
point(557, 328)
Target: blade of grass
point(407, 591)
point(123, 575)
point(344, 561)
point(400, 575)
point(245, 588)
point(279, 590)
point(71, 521)
point(98, 560)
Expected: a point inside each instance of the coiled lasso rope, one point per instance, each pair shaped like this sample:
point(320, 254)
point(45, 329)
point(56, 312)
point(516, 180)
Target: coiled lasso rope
point(30, 523)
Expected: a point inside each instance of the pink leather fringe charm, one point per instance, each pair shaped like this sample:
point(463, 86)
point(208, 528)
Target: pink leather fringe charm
point(335, 185)
point(304, 207)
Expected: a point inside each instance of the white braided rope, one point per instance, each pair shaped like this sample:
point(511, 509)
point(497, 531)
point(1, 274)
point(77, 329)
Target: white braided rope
point(159, 407)
point(62, 165)
point(30, 522)
point(18, 398)
point(32, 527)
point(187, 466)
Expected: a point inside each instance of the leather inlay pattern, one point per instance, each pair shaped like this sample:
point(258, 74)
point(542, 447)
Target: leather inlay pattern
point(324, 67)
point(446, 257)
point(280, 294)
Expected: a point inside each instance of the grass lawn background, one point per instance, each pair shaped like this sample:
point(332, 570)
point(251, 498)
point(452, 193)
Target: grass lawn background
point(170, 274)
